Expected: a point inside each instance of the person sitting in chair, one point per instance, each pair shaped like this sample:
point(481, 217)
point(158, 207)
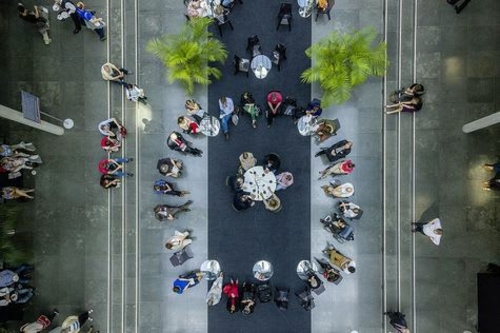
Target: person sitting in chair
point(177, 142)
point(325, 128)
point(274, 100)
point(271, 163)
point(164, 187)
point(170, 167)
point(314, 108)
point(349, 209)
point(336, 151)
point(242, 201)
point(170, 212)
point(341, 168)
point(249, 299)
point(249, 106)
point(313, 280)
point(187, 125)
point(346, 264)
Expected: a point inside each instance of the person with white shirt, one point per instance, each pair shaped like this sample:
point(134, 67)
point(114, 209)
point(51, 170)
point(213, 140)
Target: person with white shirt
point(431, 229)
point(226, 107)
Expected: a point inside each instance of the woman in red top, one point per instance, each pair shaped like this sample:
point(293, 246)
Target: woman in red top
point(274, 99)
point(341, 168)
point(187, 125)
point(231, 290)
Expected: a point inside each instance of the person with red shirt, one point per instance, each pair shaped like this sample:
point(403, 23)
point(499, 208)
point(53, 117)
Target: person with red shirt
point(114, 166)
point(341, 168)
point(274, 100)
point(231, 290)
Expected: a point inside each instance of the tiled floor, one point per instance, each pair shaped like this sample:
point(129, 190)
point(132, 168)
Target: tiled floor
point(87, 241)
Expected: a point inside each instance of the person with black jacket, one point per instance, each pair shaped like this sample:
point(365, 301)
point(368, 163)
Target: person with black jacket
point(337, 151)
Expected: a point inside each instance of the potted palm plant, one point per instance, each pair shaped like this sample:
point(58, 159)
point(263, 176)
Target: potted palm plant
point(342, 61)
point(188, 54)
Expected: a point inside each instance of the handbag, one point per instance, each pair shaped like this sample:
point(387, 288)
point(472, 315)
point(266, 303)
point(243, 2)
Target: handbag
point(235, 119)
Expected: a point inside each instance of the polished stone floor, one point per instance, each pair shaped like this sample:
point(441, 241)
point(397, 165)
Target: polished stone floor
point(105, 250)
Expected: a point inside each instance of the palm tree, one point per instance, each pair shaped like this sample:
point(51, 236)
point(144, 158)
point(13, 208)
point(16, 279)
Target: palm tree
point(342, 61)
point(14, 248)
point(188, 55)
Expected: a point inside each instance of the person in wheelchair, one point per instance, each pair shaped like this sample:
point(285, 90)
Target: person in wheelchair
point(340, 229)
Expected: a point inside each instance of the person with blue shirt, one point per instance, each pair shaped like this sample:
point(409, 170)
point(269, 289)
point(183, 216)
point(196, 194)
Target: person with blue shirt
point(90, 20)
point(187, 281)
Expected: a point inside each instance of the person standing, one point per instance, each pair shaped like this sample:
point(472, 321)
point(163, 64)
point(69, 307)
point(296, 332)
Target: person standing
point(40, 17)
point(226, 107)
point(68, 7)
point(91, 21)
point(398, 321)
point(432, 229)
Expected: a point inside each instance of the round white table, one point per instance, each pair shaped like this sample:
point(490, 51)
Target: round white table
point(305, 7)
point(260, 184)
point(263, 270)
point(261, 65)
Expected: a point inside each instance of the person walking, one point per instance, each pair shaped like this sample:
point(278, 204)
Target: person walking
point(39, 16)
point(432, 229)
point(91, 21)
point(67, 8)
point(226, 107)
point(397, 320)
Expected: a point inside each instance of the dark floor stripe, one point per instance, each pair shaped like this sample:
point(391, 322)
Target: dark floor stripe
point(238, 240)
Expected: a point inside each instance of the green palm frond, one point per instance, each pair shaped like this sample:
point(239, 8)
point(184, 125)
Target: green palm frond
point(189, 55)
point(343, 61)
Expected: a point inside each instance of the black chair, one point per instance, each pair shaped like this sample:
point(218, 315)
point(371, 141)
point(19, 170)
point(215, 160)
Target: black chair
point(222, 20)
point(285, 15)
point(289, 105)
point(306, 299)
point(279, 55)
point(253, 45)
point(241, 65)
point(326, 11)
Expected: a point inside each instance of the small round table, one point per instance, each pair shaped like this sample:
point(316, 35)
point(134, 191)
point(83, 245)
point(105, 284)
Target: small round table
point(260, 184)
point(305, 266)
point(261, 65)
point(305, 7)
point(210, 269)
point(263, 270)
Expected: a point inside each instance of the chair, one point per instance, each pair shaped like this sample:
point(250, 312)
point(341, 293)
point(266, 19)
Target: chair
point(279, 55)
point(326, 11)
point(222, 20)
point(241, 65)
point(285, 15)
point(229, 4)
point(281, 298)
point(253, 45)
point(289, 106)
point(306, 300)
point(178, 258)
